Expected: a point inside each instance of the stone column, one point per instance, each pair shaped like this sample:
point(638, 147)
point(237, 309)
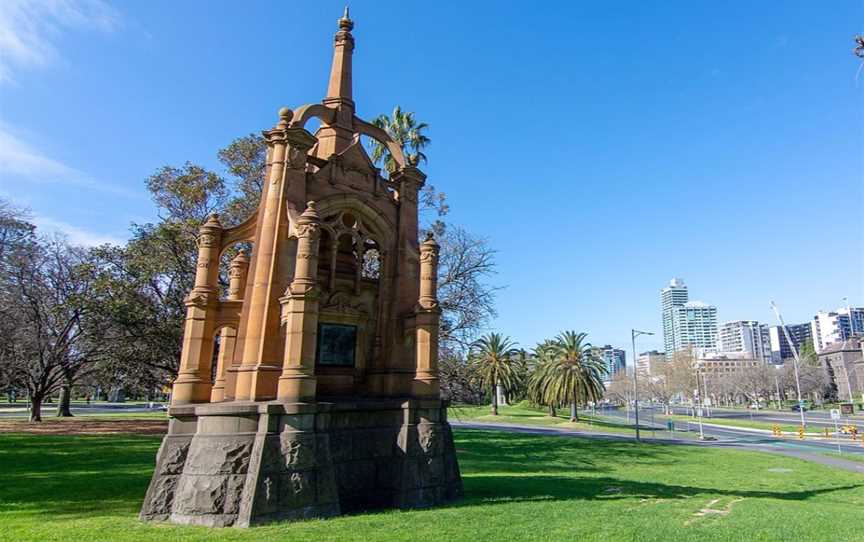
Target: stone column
point(300, 314)
point(193, 381)
point(228, 335)
point(261, 364)
point(427, 319)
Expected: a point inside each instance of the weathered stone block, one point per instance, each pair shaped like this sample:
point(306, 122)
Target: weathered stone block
point(388, 473)
point(200, 494)
point(157, 505)
point(215, 455)
point(432, 471)
point(233, 493)
point(411, 474)
point(429, 438)
point(327, 491)
point(341, 447)
point(355, 477)
point(297, 489)
point(267, 494)
point(298, 450)
point(297, 422)
point(172, 455)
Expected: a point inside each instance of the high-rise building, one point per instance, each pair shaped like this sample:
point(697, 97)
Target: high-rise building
point(747, 336)
point(671, 297)
point(649, 363)
point(780, 348)
point(615, 359)
point(686, 324)
point(836, 326)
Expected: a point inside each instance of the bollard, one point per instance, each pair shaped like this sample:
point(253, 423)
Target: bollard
point(801, 432)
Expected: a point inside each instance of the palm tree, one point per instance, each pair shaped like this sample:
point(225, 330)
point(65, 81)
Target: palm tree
point(569, 372)
point(494, 358)
point(406, 132)
point(537, 383)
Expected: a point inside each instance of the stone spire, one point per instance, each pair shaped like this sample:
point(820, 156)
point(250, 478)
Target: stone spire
point(339, 87)
point(335, 137)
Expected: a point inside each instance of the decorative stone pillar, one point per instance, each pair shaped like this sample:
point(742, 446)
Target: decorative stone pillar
point(261, 363)
point(410, 180)
point(193, 381)
point(228, 336)
point(427, 318)
point(300, 314)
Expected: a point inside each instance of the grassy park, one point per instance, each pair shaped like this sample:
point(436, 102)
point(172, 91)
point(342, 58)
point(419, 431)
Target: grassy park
point(83, 487)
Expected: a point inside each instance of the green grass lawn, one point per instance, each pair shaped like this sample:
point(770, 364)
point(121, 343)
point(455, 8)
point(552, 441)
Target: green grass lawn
point(518, 487)
point(524, 414)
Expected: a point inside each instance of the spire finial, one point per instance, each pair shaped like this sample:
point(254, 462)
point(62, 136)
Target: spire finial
point(345, 23)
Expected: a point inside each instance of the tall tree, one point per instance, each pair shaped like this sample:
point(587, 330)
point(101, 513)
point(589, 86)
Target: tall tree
point(494, 357)
point(570, 373)
point(51, 322)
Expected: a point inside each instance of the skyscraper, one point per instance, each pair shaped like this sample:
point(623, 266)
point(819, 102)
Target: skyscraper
point(686, 323)
point(673, 296)
point(615, 360)
point(747, 336)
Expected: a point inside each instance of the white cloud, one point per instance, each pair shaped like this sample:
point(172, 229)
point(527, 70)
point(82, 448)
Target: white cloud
point(29, 29)
point(75, 235)
point(21, 159)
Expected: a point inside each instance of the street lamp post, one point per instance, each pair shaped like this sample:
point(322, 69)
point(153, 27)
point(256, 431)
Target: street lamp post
point(633, 334)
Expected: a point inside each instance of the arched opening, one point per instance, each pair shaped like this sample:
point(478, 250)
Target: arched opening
point(350, 271)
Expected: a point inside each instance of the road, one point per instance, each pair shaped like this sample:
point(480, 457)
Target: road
point(815, 419)
point(731, 437)
point(19, 410)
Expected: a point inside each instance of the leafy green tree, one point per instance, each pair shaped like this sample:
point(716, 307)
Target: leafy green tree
point(495, 359)
point(569, 372)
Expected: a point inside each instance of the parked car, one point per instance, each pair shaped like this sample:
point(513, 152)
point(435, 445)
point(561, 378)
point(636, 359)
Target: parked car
point(799, 408)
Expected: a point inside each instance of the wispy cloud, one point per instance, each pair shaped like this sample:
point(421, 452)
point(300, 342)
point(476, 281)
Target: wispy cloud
point(74, 234)
point(30, 28)
point(19, 158)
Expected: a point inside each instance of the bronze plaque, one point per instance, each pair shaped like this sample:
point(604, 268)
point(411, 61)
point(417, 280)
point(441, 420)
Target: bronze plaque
point(336, 345)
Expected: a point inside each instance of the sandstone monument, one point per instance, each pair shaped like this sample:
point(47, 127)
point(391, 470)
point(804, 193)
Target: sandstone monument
point(323, 397)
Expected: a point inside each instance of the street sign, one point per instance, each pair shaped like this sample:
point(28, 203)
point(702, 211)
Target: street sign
point(835, 414)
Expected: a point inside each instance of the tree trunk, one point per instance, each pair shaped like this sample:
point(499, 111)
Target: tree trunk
point(574, 414)
point(64, 409)
point(495, 398)
point(552, 411)
point(35, 408)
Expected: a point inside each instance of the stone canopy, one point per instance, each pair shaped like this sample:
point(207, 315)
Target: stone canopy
point(310, 387)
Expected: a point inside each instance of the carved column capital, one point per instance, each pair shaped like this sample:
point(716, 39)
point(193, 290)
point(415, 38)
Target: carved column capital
point(429, 251)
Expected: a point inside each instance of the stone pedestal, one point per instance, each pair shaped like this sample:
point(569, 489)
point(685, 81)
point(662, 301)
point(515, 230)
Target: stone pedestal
point(243, 464)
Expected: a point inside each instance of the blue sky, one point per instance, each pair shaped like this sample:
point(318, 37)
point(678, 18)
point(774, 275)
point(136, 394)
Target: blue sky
point(602, 147)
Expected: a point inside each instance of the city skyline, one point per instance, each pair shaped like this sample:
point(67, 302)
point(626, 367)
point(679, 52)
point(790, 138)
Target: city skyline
point(676, 160)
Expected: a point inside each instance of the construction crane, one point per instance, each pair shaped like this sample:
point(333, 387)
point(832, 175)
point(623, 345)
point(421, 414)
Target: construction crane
point(796, 362)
